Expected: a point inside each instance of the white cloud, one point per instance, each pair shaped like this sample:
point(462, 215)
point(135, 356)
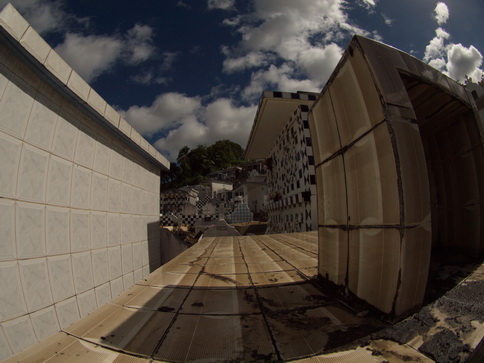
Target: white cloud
point(318, 62)
point(149, 77)
point(277, 78)
point(168, 60)
point(388, 21)
point(221, 4)
point(367, 4)
point(93, 55)
point(441, 13)
point(167, 111)
point(438, 63)
point(90, 55)
point(464, 62)
point(291, 43)
point(436, 47)
point(220, 119)
point(247, 61)
point(226, 121)
point(455, 60)
point(139, 44)
point(44, 16)
point(191, 133)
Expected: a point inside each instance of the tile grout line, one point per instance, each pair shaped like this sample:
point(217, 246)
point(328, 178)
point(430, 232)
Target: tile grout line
point(299, 272)
point(256, 293)
point(174, 318)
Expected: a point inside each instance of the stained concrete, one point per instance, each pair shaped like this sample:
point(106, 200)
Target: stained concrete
point(258, 299)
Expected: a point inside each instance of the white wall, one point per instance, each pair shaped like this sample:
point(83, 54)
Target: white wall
point(79, 207)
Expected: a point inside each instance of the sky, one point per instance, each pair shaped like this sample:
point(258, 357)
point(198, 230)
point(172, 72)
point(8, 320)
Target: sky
point(191, 72)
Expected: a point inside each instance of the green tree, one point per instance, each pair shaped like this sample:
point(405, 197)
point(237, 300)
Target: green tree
point(193, 165)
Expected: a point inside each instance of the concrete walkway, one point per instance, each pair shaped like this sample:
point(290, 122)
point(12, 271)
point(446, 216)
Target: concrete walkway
point(252, 298)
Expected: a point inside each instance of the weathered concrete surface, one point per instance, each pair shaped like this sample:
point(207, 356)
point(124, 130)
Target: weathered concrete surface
point(257, 298)
point(449, 329)
point(171, 246)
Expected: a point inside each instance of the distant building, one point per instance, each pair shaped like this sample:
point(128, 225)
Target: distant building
point(280, 135)
point(398, 158)
point(178, 201)
point(253, 192)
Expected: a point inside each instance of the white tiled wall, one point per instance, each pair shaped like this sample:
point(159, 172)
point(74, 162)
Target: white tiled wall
point(75, 203)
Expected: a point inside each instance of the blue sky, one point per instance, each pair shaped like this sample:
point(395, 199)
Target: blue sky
point(190, 72)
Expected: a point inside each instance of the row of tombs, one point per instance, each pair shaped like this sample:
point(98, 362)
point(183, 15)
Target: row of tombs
point(397, 152)
point(390, 166)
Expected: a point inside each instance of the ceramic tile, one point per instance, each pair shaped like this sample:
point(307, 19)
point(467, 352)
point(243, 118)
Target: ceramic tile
point(67, 312)
point(372, 180)
point(32, 176)
point(135, 136)
point(144, 253)
point(59, 181)
point(57, 230)
point(10, 149)
point(415, 262)
point(42, 122)
point(61, 280)
point(126, 197)
point(114, 229)
point(100, 266)
point(349, 105)
point(125, 127)
point(78, 85)
point(127, 258)
point(126, 228)
point(103, 294)
point(138, 226)
point(12, 303)
point(98, 230)
point(86, 302)
point(116, 286)
point(115, 263)
point(332, 261)
point(84, 154)
point(101, 156)
point(128, 281)
point(137, 275)
point(5, 74)
point(82, 271)
point(80, 230)
point(58, 66)
point(13, 22)
point(332, 193)
point(30, 231)
point(413, 169)
point(20, 333)
point(116, 164)
point(35, 283)
point(16, 103)
point(223, 344)
point(5, 350)
point(366, 83)
point(324, 130)
point(112, 115)
point(114, 195)
point(96, 102)
point(385, 63)
point(45, 322)
point(81, 187)
point(64, 137)
point(99, 188)
point(379, 255)
point(7, 230)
